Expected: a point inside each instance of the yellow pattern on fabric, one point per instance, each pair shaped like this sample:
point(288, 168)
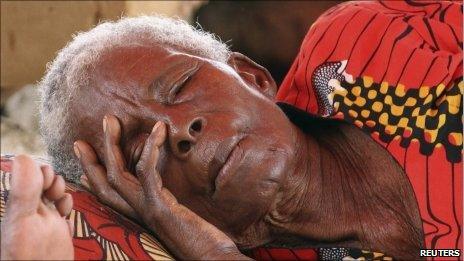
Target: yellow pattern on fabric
point(410, 102)
point(353, 113)
point(454, 102)
point(440, 88)
point(372, 94)
point(403, 123)
point(455, 138)
point(367, 81)
point(420, 121)
point(403, 112)
point(423, 91)
point(356, 91)
point(360, 101)
point(384, 87)
point(399, 91)
point(391, 129)
point(377, 106)
point(428, 99)
point(396, 110)
point(388, 100)
point(365, 113)
point(383, 119)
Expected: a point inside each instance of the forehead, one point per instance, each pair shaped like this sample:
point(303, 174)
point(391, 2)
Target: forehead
point(133, 63)
point(141, 64)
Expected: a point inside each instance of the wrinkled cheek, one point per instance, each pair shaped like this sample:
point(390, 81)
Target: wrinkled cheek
point(173, 179)
point(251, 193)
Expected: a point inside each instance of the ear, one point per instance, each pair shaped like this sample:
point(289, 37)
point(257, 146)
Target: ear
point(254, 74)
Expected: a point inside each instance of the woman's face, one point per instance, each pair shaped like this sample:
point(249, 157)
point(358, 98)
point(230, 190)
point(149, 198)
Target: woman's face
point(228, 145)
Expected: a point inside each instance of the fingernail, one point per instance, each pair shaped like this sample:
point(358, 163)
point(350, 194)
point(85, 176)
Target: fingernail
point(104, 124)
point(156, 127)
point(76, 150)
point(84, 181)
point(84, 177)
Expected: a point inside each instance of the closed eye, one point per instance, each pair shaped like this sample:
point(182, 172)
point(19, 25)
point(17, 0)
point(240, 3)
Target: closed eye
point(178, 87)
point(169, 85)
point(180, 84)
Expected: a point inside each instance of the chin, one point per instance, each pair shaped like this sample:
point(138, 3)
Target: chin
point(247, 199)
point(253, 237)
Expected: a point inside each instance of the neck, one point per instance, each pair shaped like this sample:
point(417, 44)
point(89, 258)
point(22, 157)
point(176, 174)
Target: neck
point(301, 197)
point(340, 182)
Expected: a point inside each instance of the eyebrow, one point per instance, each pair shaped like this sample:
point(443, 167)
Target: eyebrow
point(173, 75)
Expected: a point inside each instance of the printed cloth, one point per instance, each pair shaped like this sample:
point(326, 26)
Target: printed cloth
point(102, 234)
point(99, 232)
point(394, 69)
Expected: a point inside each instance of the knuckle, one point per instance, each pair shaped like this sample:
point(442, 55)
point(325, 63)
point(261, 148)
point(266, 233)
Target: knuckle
point(90, 168)
point(149, 216)
point(150, 198)
point(46, 168)
point(22, 159)
point(102, 194)
point(140, 167)
point(112, 178)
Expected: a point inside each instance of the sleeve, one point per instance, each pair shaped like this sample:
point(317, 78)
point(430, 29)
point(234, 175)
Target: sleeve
point(394, 69)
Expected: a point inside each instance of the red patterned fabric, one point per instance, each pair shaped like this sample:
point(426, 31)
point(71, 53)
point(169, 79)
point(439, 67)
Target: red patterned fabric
point(102, 234)
point(394, 69)
point(285, 254)
point(99, 232)
point(410, 54)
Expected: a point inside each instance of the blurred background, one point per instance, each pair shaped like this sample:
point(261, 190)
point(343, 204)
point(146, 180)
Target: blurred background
point(32, 32)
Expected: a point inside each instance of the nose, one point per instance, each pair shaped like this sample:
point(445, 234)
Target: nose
point(184, 135)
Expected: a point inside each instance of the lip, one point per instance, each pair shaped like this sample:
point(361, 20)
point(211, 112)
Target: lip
point(224, 157)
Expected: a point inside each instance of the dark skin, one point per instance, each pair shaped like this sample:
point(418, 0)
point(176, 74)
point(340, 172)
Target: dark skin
point(200, 153)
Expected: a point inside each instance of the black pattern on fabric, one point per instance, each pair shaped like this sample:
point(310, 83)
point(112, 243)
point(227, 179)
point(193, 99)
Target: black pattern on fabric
point(426, 114)
point(332, 253)
point(320, 80)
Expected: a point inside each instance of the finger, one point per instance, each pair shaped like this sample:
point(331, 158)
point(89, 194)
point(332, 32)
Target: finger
point(48, 175)
point(56, 190)
point(85, 182)
point(117, 174)
point(108, 196)
point(146, 167)
point(64, 205)
point(95, 179)
point(112, 137)
point(114, 158)
point(26, 184)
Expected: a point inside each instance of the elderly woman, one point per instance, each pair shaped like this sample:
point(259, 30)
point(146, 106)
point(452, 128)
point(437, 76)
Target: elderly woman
point(173, 129)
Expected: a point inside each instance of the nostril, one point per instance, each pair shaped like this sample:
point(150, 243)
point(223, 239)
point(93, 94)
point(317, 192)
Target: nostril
point(195, 127)
point(183, 146)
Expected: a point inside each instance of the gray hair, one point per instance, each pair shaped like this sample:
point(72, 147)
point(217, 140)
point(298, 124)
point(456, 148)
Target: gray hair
point(71, 70)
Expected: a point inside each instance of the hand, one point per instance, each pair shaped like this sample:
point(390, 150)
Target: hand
point(34, 226)
point(186, 234)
